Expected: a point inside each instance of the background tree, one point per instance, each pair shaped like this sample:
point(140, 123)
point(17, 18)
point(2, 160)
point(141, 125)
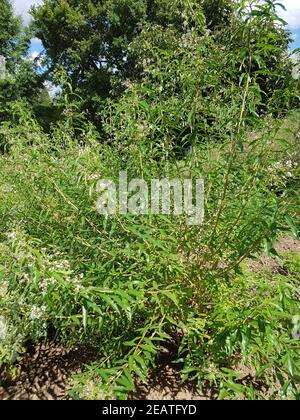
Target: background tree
point(104, 45)
point(21, 80)
point(10, 30)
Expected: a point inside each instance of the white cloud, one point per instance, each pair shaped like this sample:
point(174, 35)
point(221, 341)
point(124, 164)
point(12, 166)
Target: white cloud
point(38, 58)
point(22, 8)
point(52, 89)
point(34, 55)
point(292, 13)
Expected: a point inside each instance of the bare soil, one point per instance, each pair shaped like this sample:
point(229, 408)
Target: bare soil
point(274, 263)
point(165, 384)
point(44, 373)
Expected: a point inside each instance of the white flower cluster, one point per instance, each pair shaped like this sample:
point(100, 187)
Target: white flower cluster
point(284, 168)
point(93, 177)
point(3, 328)
point(143, 129)
point(296, 327)
point(78, 282)
point(37, 312)
point(127, 83)
point(52, 264)
point(146, 63)
point(2, 66)
point(60, 265)
point(187, 40)
point(3, 288)
point(57, 263)
point(20, 253)
point(63, 267)
point(46, 283)
point(7, 189)
point(84, 149)
point(12, 236)
point(296, 71)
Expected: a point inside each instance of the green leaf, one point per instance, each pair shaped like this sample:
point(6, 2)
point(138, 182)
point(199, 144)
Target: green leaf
point(293, 227)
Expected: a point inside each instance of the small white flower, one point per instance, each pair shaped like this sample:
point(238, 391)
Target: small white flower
point(93, 177)
point(11, 235)
point(36, 312)
point(26, 276)
point(296, 72)
point(289, 174)
point(3, 328)
point(296, 327)
point(83, 150)
point(7, 189)
point(78, 288)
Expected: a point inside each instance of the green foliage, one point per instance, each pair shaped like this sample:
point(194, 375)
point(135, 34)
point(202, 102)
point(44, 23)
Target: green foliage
point(21, 79)
point(129, 284)
point(11, 43)
point(246, 344)
point(107, 45)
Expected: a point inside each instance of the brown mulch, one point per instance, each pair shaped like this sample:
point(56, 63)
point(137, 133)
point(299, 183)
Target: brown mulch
point(165, 383)
point(44, 373)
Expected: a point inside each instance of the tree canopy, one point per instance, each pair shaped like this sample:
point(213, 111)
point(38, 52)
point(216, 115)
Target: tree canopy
point(21, 80)
point(104, 45)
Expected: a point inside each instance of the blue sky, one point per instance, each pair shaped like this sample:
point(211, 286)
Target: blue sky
point(296, 43)
point(291, 15)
